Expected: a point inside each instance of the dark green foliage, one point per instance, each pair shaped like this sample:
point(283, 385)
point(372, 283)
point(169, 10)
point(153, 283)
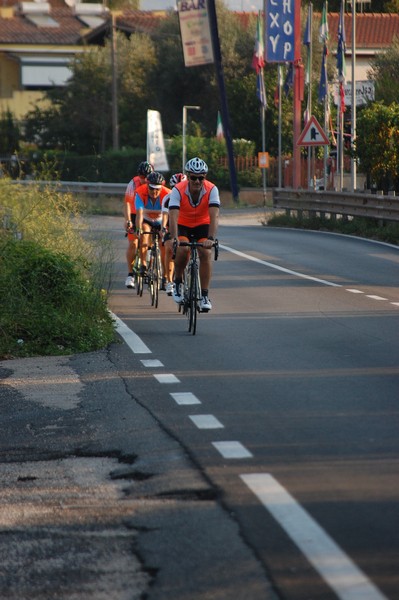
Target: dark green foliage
point(47, 304)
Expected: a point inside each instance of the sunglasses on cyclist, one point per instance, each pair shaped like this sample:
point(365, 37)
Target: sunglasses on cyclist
point(197, 177)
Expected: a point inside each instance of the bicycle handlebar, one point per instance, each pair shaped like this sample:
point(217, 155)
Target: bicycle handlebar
point(195, 244)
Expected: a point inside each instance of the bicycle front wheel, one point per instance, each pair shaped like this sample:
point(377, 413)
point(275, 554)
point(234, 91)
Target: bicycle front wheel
point(193, 299)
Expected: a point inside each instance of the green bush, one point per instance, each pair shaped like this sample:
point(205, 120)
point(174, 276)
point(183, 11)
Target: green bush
point(47, 307)
point(53, 281)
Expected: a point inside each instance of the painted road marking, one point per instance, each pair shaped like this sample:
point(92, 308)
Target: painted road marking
point(336, 568)
point(376, 297)
point(354, 291)
point(151, 362)
point(185, 398)
point(166, 378)
point(206, 422)
point(135, 344)
point(278, 268)
point(232, 450)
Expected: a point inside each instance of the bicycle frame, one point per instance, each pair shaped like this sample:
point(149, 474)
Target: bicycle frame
point(153, 266)
point(192, 284)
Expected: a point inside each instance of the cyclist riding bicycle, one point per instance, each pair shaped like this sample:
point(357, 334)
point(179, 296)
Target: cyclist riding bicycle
point(194, 214)
point(143, 170)
point(148, 204)
point(168, 266)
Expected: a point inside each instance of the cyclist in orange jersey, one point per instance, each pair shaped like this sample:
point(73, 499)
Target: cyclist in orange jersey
point(143, 169)
point(194, 212)
point(149, 212)
point(168, 266)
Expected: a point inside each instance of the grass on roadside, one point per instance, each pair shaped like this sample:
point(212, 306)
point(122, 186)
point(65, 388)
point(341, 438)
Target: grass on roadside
point(54, 280)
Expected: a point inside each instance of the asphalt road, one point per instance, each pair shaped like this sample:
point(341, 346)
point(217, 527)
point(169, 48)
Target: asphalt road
point(294, 375)
point(255, 460)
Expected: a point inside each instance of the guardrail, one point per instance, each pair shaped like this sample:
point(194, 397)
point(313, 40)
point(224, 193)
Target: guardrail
point(383, 208)
point(79, 187)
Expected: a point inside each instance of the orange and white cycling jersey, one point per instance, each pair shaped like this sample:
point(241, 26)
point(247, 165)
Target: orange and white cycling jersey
point(152, 208)
point(130, 193)
point(194, 214)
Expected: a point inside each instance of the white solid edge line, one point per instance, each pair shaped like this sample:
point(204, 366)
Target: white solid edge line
point(278, 268)
point(335, 567)
point(135, 343)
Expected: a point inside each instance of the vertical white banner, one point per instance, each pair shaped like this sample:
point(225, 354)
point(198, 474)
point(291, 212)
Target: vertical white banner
point(195, 32)
point(156, 154)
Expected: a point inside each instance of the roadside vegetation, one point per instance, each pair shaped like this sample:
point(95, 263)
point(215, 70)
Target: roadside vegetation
point(358, 226)
point(54, 278)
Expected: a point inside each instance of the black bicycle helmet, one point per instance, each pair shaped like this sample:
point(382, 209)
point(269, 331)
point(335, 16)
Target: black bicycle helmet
point(196, 165)
point(155, 179)
point(177, 178)
point(145, 168)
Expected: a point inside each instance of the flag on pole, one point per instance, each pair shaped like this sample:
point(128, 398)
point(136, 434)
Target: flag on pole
point(289, 79)
point(260, 89)
point(219, 129)
point(341, 49)
point(323, 84)
point(323, 29)
point(258, 60)
point(276, 96)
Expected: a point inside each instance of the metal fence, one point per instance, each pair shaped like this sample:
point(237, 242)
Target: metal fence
point(377, 206)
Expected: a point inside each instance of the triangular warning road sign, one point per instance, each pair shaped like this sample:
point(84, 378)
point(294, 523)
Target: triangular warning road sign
point(313, 134)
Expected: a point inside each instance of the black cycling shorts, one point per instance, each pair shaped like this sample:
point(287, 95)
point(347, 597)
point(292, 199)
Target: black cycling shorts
point(196, 233)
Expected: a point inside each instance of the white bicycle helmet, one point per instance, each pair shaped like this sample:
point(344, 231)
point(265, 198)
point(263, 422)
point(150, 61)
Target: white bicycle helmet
point(177, 178)
point(196, 165)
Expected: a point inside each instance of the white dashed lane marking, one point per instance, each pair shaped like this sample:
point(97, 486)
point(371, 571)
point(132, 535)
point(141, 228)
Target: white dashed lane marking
point(232, 449)
point(151, 363)
point(336, 568)
point(166, 378)
point(206, 422)
point(375, 297)
point(185, 398)
point(352, 291)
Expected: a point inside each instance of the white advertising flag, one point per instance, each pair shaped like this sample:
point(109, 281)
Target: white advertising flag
point(195, 32)
point(156, 154)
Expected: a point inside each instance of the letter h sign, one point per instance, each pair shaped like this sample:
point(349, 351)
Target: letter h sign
point(280, 30)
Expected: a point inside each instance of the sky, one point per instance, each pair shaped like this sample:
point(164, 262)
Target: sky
point(243, 5)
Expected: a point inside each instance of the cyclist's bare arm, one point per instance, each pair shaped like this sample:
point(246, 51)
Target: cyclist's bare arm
point(173, 218)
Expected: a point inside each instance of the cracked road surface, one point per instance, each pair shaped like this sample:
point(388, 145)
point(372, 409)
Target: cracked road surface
point(98, 501)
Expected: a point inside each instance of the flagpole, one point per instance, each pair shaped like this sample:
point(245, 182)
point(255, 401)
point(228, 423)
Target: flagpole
point(262, 110)
point(280, 182)
point(353, 113)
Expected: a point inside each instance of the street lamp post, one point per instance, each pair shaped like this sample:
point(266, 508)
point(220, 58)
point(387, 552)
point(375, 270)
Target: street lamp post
point(185, 108)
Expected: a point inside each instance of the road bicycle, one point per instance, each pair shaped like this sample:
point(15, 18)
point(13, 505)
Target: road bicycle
point(191, 283)
point(151, 275)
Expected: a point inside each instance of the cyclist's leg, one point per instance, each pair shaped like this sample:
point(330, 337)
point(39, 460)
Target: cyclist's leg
point(205, 271)
point(145, 242)
point(181, 260)
point(131, 251)
point(169, 263)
